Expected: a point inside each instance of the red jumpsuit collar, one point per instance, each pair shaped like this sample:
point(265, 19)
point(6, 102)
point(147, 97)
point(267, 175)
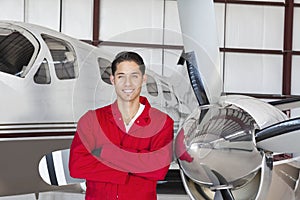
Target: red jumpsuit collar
point(143, 119)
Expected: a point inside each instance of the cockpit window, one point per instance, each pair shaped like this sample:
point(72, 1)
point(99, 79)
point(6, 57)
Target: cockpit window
point(63, 56)
point(42, 76)
point(151, 86)
point(105, 69)
point(166, 91)
point(16, 52)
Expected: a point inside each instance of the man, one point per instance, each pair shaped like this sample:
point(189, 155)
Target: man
point(123, 149)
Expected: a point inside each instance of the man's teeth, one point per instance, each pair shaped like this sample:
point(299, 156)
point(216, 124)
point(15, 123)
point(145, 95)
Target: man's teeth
point(127, 91)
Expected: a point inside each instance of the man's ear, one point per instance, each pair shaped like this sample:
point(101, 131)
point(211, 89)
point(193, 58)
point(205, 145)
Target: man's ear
point(112, 79)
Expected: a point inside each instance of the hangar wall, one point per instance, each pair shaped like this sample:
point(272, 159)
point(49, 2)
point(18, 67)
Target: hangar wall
point(150, 23)
point(251, 34)
point(72, 17)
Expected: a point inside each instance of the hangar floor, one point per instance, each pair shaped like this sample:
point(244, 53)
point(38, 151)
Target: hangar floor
point(172, 189)
point(71, 196)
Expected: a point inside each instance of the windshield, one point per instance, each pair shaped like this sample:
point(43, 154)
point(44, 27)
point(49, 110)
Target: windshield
point(64, 57)
point(16, 52)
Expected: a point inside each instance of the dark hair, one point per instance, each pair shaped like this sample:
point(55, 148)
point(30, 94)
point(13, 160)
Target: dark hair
point(127, 56)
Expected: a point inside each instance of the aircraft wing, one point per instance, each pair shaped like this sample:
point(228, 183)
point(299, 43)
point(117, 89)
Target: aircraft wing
point(287, 104)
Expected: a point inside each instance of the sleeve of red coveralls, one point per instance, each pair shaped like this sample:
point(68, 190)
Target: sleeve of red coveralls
point(82, 163)
point(162, 140)
point(153, 164)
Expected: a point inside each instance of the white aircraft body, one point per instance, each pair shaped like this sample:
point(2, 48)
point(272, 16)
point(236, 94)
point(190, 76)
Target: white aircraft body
point(47, 82)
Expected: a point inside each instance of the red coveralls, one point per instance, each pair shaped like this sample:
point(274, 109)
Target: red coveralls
point(129, 164)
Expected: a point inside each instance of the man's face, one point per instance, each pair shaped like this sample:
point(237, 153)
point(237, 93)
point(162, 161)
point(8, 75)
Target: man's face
point(128, 80)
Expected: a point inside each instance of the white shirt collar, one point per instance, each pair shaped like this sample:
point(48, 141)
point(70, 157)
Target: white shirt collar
point(138, 113)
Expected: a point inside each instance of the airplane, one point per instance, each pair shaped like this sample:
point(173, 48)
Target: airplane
point(48, 81)
point(230, 146)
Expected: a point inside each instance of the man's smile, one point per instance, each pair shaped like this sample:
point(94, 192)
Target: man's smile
point(128, 90)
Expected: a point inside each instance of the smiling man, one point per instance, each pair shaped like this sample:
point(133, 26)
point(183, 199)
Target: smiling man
point(128, 76)
point(123, 149)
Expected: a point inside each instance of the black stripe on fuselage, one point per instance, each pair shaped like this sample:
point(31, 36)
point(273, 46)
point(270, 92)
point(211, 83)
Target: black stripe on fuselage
point(38, 123)
point(16, 130)
point(37, 134)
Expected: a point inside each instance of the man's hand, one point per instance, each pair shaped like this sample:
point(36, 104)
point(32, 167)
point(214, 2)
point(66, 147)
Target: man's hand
point(96, 152)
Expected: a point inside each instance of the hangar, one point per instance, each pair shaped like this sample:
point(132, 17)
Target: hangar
point(257, 40)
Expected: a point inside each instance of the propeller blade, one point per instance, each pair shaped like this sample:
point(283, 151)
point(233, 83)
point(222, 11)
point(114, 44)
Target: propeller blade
point(282, 137)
